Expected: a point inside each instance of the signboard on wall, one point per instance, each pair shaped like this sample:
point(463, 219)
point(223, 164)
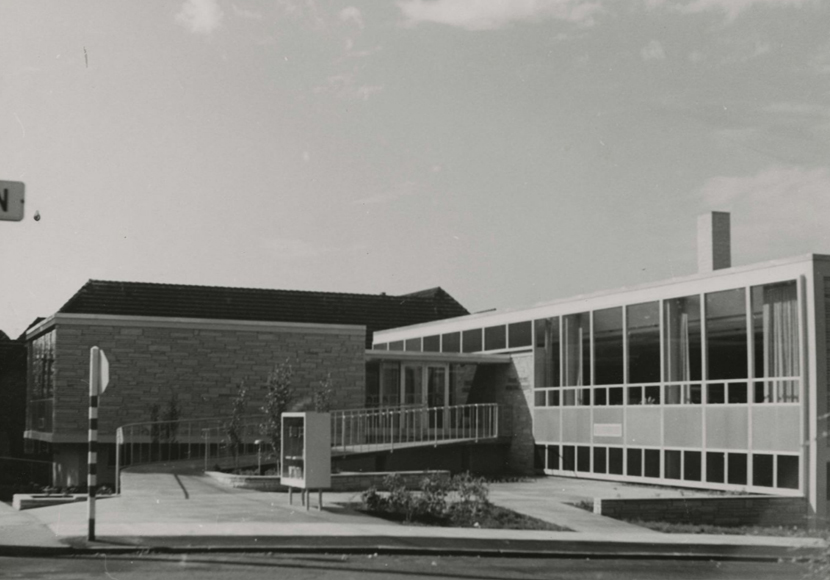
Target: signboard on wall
point(11, 200)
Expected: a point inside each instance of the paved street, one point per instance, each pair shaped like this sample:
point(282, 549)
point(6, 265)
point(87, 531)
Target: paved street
point(324, 566)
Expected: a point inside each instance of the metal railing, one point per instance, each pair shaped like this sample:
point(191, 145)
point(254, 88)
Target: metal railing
point(205, 443)
point(363, 430)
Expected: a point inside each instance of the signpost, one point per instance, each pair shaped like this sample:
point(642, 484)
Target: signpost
point(11, 200)
point(99, 377)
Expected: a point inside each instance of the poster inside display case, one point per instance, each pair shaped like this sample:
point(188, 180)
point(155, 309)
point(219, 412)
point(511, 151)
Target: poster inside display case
point(305, 458)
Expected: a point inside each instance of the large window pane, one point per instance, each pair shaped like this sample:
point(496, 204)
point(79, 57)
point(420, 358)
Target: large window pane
point(726, 336)
point(608, 346)
point(495, 337)
point(472, 340)
point(451, 342)
point(643, 330)
point(432, 343)
point(775, 333)
point(682, 340)
point(547, 353)
point(519, 334)
point(576, 362)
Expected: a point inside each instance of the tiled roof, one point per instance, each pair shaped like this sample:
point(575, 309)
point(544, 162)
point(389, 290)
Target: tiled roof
point(375, 311)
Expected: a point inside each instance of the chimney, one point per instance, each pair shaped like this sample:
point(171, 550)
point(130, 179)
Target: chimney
point(713, 242)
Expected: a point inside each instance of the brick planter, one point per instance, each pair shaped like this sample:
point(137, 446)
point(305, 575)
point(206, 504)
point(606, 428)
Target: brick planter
point(729, 510)
point(25, 501)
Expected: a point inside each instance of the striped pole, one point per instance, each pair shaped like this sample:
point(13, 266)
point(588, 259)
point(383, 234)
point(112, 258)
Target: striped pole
point(92, 457)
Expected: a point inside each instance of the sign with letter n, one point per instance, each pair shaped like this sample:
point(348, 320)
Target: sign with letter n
point(11, 200)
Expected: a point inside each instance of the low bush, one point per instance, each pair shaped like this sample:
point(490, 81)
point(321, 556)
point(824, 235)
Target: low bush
point(462, 501)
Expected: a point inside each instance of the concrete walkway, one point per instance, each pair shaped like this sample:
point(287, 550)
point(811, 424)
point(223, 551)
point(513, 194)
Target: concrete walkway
point(189, 512)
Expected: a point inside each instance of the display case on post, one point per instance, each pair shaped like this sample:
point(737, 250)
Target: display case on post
point(305, 454)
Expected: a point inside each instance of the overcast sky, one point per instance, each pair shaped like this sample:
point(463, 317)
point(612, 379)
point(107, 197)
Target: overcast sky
point(510, 151)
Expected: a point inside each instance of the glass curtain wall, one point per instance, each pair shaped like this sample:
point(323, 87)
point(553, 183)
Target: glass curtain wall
point(41, 383)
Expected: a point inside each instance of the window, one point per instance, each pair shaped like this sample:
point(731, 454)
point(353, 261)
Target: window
point(715, 394)
point(691, 465)
point(547, 360)
point(583, 459)
point(494, 338)
point(568, 458)
point(615, 460)
point(451, 342)
point(520, 334)
point(600, 460)
point(396, 345)
point(682, 344)
point(413, 344)
point(380, 346)
point(553, 456)
point(726, 336)
point(390, 385)
point(672, 461)
point(775, 332)
point(787, 471)
point(576, 362)
point(635, 462)
point(643, 332)
point(736, 469)
point(432, 343)
point(472, 340)
point(714, 467)
point(538, 457)
point(608, 346)
point(652, 462)
point(372, 384)
point(762, 470)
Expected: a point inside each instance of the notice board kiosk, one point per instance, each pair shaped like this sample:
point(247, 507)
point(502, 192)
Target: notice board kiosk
point(305, 454)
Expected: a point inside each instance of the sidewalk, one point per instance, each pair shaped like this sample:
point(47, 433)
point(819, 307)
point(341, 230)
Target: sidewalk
point(190, 513)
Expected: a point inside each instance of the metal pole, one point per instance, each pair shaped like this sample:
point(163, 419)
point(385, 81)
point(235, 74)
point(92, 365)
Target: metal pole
point(119, 437)
point(92, 455)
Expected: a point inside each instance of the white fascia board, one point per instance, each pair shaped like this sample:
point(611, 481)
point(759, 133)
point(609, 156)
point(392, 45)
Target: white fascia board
point(764, 273)
point(193, 323)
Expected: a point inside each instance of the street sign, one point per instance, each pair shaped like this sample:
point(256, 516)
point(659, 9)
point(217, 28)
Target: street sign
point(105, 371)
point(11, 200)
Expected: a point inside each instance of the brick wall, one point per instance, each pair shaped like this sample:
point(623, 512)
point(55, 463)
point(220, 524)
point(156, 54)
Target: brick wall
point(202, 364)
point(733, 510)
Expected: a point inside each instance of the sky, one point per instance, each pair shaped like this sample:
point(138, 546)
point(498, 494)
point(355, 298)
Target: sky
point(509, 151)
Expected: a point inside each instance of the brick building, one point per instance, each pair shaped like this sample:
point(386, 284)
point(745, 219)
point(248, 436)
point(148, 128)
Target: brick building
point(198, 343)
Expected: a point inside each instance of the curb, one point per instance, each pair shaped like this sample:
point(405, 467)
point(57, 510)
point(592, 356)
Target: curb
point(383, 546)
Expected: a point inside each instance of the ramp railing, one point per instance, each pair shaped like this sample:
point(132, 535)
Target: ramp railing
point(363, 430)
point(201, 444)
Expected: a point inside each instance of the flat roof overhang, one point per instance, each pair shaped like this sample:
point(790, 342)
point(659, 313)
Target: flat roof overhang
point(437, 357)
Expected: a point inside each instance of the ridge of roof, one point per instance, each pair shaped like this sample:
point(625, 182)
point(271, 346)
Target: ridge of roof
point(373, 311)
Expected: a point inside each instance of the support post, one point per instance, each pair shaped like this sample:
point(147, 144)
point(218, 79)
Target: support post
point(92, 455)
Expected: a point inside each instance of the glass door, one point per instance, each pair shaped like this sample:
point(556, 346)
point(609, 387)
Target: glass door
point(436, 394)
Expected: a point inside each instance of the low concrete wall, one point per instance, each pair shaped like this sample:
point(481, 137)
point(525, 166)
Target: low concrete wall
point(25, 501)
point(348, 481)
point(729, 510)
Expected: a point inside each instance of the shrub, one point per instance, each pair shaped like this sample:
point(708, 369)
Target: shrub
point(440, 499)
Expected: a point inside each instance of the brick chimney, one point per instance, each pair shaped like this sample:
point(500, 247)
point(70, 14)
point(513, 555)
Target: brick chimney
point(714, 250)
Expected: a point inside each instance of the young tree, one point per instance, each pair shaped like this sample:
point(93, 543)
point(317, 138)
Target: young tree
point(233, 428)
point(155, 431)
point(323, 395)
point(171, 417)
point(279, 395)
